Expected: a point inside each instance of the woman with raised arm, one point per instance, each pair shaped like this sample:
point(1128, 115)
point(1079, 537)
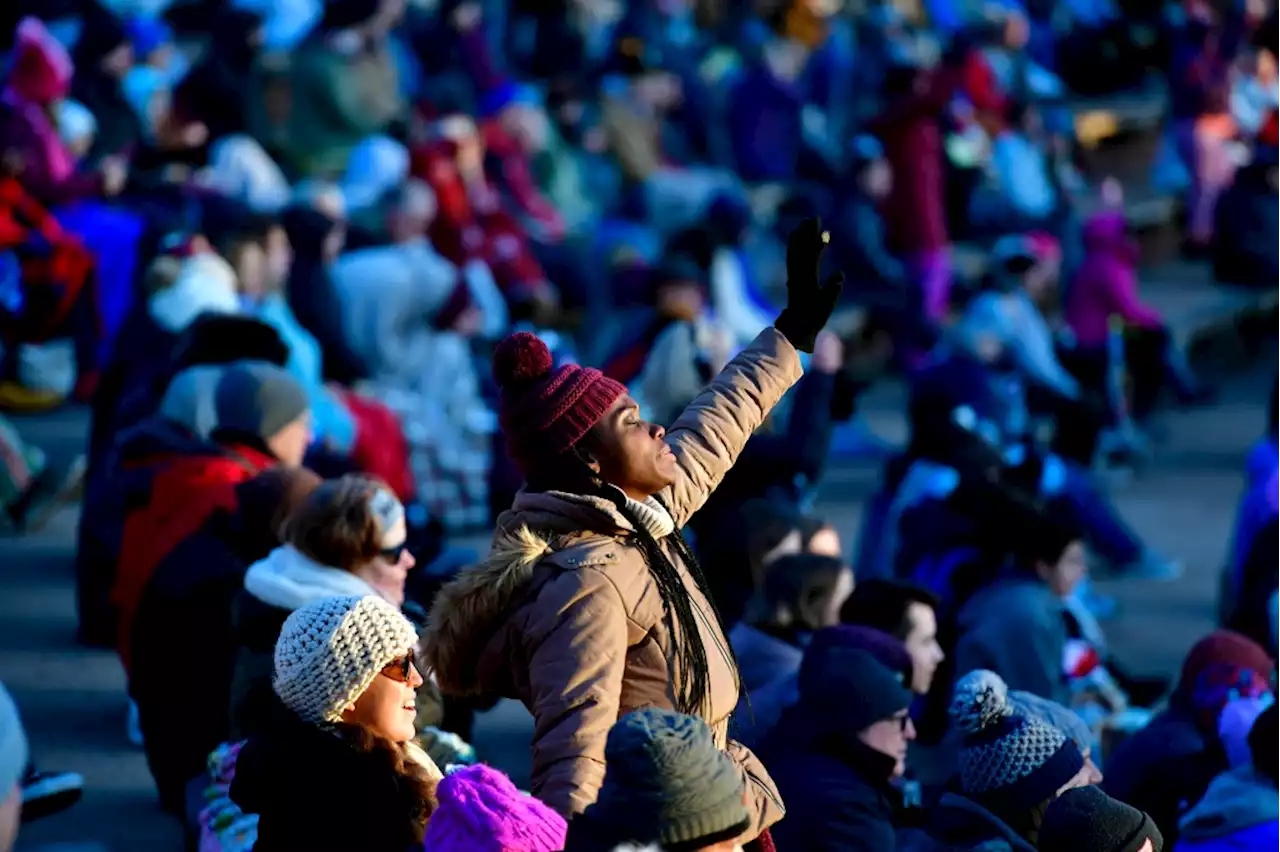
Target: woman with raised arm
point(591, 604)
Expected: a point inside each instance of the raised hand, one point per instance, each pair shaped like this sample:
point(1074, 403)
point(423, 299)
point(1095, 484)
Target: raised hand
point(809, 300)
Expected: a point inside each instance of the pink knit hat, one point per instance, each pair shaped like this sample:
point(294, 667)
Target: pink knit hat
point(543, 412)
point(480, 810)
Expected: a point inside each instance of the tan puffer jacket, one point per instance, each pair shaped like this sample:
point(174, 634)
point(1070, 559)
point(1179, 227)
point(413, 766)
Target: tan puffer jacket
point(565, 616)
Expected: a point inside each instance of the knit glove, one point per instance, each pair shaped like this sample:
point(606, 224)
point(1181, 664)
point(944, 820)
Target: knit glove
point(809, 302)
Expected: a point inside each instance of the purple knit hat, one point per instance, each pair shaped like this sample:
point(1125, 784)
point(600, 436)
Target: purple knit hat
point(544, 412)
point(480, 810)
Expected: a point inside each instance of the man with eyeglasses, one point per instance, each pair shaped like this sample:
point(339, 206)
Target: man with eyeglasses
point(838, 755)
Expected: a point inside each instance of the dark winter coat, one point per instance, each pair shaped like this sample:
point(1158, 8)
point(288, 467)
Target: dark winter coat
point(837, 790)
point(313, 791)
point(183, 627)
point(1164, 769)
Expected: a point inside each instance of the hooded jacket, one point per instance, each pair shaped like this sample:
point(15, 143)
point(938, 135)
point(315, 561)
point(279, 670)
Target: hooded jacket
point(565, 615)
point(1106, 284)
point(1017, 629)
point(1239, 812)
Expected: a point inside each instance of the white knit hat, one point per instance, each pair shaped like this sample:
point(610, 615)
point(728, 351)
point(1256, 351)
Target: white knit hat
point(330, 650)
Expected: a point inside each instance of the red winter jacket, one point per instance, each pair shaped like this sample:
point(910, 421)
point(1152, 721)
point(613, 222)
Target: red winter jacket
point(175, 482)
point(471, 224)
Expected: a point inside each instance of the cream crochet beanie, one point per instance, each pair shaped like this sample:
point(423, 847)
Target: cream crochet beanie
point(330, 650)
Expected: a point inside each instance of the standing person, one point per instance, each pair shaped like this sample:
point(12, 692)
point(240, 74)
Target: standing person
point(591, 603)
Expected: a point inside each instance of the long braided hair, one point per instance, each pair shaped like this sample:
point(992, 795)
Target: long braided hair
point(692, 678)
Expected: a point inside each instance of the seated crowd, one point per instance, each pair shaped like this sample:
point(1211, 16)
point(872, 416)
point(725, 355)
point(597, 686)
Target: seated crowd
point(297, 251)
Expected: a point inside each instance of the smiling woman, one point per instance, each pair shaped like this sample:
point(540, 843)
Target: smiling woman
point(591, 604)
point(344, 672)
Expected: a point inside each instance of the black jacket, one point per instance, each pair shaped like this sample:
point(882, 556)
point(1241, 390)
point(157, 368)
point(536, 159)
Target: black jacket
point(313, 792)
point(837, 790)
point(183, 657)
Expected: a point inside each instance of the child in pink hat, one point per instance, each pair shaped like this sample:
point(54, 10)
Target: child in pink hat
point(480, 810)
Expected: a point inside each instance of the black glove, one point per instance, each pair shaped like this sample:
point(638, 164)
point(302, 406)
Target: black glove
point(809, 302)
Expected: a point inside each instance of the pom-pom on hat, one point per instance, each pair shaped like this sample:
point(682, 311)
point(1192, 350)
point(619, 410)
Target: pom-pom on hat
point(480, 810)
point(1008, 762)
point(545, 411)
point(330, 650)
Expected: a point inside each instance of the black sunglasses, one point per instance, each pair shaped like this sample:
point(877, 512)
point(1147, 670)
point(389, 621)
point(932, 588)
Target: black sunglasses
point(393, 554)
point(399, 669)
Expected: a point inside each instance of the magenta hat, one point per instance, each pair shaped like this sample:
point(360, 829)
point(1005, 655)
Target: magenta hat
point(480, 810)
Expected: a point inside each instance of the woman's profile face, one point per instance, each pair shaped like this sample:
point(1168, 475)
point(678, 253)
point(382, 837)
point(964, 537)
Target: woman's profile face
point(388, 707)
point(387, 571)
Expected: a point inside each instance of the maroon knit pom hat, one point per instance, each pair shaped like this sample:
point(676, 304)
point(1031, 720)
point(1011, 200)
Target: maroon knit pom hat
point(543, 413)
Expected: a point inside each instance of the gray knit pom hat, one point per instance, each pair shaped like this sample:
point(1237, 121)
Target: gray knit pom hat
point(330, 650)
point(1008, 762)
point(666, 783)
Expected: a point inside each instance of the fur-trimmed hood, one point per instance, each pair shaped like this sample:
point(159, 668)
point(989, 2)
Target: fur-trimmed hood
point(466, 620)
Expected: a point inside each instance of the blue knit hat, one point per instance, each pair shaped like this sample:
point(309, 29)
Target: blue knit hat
point(1008, 763)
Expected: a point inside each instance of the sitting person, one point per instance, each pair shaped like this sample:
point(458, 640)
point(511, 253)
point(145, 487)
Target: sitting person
point(174, 482)
point(667, 784)
point(1016, 627)
point(801, 593)
point(341, 744)
point(478, 807)
point(1087, 818)
point(1170, 763)
point(347, 538)
point(1239, 809)
point(1011, 770)
point(908, 613)
point(838, 752)
point(1008, 312)
point(185, 612)
point(350, 427)
point(1243, 253)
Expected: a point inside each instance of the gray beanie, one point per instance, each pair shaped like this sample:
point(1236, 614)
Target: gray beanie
point(330, 650)
point(1055, 715)
point(13, 744)
point(666, 783)
point(258, 399)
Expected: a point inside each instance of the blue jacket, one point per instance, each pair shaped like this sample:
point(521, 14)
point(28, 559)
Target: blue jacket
point(1239, 813)
point(768, 666)
point(1258, 503)
point(1016, 628)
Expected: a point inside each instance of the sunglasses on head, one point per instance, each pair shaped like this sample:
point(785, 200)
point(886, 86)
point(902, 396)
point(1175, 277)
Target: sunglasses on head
point(399, 668)
point(394, 554)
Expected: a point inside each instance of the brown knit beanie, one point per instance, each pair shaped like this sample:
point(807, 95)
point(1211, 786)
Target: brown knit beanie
point(544, 412)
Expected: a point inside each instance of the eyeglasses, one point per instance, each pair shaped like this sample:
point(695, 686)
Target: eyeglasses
point(394, 554)
point(400, 668)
